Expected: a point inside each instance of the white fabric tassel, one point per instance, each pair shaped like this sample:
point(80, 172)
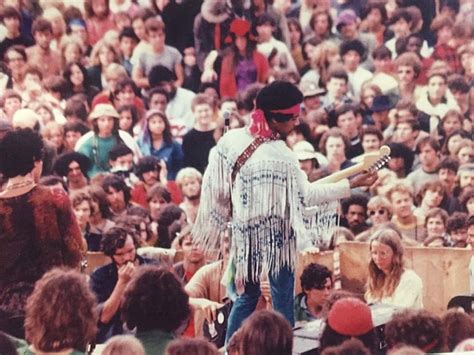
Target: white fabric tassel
point(269, 210)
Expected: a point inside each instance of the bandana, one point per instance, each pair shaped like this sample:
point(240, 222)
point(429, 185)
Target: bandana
point(258, 122)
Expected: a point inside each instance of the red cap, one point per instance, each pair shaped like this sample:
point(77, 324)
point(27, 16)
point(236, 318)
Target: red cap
point(350, 317)
point(240, 27)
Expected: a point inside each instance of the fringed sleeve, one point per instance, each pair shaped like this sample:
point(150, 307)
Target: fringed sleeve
point(314, 214)
point(214, 208)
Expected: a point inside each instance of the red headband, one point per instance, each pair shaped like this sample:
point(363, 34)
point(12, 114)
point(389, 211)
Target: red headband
point(288, 111)
point(258, 123)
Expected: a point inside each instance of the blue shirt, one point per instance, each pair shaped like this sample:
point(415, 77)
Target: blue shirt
point(102, 282)
point(172, 154)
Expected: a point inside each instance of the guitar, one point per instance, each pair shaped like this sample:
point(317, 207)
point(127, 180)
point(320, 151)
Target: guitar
point(367, 162)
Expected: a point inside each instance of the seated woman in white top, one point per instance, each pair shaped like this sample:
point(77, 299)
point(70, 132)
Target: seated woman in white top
point(389, 281)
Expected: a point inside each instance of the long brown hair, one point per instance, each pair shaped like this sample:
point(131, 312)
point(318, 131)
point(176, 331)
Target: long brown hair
point(61, 312)
point(379, 284)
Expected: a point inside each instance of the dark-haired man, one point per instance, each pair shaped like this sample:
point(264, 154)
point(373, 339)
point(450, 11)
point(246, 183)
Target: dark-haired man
point(352, 53)
point(354, 211)
point(11, 18)
point(316, 284)
point(149, 170)
point(178, 109)
point(73, 167)
point(118, 194)
point(271, 181)
point(121, 163)
point(128, 41)
point(347, 121)
point(109, 281)
point(41, 54)
point(337, 87)
point(428, 150)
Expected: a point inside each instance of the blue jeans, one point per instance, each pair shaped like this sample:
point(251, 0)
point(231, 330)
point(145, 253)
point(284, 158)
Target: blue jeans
point(282, 290)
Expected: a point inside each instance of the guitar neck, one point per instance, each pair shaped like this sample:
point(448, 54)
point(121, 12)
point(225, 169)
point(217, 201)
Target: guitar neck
point(342, 174)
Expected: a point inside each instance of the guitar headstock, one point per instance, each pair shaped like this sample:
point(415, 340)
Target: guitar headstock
point(376, 160)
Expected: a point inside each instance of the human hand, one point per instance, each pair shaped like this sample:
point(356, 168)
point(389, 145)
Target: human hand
point(163, 172)
point(209, 76)
point(208, 307)
point(365, 178)
point(126, 272)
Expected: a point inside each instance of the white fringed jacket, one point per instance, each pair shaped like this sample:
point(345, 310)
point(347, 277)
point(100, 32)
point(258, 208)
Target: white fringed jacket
point(273, 204)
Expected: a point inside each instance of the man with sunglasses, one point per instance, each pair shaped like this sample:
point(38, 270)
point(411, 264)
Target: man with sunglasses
point(379, 210)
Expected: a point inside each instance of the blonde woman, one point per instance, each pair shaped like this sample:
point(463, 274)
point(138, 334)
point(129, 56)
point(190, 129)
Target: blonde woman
point(103, 54)
point(389, 282)
point(71, 51)
point(53, 15)
point(324, 55)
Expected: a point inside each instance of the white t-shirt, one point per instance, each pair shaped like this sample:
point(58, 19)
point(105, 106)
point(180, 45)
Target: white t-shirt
point(284, 55)
point(357, 78)
point(169, 57)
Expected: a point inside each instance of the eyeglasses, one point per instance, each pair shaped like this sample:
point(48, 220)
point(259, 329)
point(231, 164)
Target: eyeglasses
point(379, 212)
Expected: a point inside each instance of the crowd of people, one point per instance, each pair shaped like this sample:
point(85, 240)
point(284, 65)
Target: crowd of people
point(129, 127)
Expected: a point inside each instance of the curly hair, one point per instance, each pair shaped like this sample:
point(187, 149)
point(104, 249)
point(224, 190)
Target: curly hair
point(266, 333)
point(187, 173)
point(349, 347)
point(61, 312)
point(456, 221)
point(79, 196)
point(155, 299)
point(115, 238)
point(187, 346)
point(314, 276)
point(19, 150)
point(379, 284)
point(118, 184)
point(61, 166)
point(458, 326)
point(400, 187)
point(123, 345)
point(146, 164)
point(419, 328)
point(356, 199)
